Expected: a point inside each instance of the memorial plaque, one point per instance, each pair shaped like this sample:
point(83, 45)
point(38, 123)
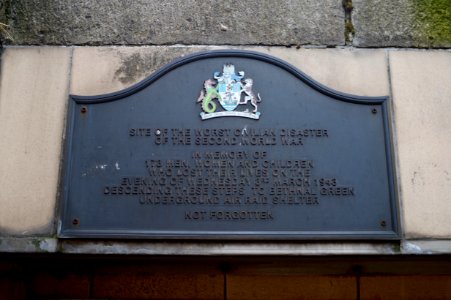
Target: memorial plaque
point(228, 145)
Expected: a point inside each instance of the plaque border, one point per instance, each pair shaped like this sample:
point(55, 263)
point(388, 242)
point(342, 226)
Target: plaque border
point(76, 101)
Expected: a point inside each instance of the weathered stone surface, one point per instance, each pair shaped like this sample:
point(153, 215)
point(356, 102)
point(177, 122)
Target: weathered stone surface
point(4, 16)
point(33, 97)
point(402, 23)
point(118, 22)
point(355, 71)
point(3, 11)
point(39, 245)
point(98, 70)
point(422, 103)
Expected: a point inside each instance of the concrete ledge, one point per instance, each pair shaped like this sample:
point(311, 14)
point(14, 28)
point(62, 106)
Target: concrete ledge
point(426, 247)
point(28, 245)
point(130, 247)
point(229, 248)
point(36, 245)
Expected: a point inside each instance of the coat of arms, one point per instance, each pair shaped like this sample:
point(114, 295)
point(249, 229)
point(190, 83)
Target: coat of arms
point(229, 89)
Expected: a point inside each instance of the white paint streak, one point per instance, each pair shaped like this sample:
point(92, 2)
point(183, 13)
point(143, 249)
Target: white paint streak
point(411, 248)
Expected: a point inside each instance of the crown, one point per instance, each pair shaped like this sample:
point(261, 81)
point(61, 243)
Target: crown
point(228, 69)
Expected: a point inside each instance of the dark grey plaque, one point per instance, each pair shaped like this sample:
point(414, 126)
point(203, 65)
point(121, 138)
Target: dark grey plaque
point(263, 152)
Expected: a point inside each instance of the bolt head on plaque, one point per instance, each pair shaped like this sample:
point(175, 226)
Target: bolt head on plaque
point(230, 90)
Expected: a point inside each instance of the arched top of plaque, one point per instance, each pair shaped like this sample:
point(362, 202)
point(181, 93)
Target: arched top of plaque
point(229, 57)
point(228, 145)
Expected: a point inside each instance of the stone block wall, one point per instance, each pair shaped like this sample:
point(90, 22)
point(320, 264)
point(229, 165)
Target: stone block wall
point(365, 47)
point(327, 23)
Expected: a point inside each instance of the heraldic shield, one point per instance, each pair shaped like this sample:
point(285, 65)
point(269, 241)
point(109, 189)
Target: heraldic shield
point(229, 87)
